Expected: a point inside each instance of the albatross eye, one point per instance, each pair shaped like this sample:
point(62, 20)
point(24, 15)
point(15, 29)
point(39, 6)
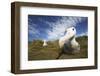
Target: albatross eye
point(73, 29)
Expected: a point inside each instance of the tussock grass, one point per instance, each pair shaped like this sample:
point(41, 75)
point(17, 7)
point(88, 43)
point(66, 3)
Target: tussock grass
point(37, 52)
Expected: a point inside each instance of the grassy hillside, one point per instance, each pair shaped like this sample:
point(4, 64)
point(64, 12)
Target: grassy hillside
point(37, 52)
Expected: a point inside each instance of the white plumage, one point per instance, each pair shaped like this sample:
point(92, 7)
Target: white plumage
point(68, 41)
point(45, 43)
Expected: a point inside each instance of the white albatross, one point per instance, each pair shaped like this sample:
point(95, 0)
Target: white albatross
point(44, 43)
point(68, 41)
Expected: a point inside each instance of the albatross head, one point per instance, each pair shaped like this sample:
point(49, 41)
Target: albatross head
point(70, 32)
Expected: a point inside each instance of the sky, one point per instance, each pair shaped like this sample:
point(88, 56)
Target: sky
point(53, 27)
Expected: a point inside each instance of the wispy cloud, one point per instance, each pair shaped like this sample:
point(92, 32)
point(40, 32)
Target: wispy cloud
point(32, 30)
point(59, 27)
point(83, 34)
point(50, 28)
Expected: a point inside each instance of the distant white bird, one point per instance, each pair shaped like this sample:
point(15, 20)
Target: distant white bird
point(44, 43)
point(68, 41)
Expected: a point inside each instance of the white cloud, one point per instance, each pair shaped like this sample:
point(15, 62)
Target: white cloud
point(56, 29)
point(83, 34)
point(59, 27)
point(31, 28)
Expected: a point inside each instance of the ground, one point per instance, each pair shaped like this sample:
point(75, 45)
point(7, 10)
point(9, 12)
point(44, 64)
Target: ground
point(36, 51)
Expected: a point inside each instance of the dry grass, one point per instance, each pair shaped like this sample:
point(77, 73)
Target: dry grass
point(37, 52)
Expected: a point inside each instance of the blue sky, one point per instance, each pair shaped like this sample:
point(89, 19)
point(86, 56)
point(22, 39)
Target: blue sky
point(53, 27)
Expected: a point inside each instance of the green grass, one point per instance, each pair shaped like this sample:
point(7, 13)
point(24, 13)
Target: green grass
point(37, 52)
